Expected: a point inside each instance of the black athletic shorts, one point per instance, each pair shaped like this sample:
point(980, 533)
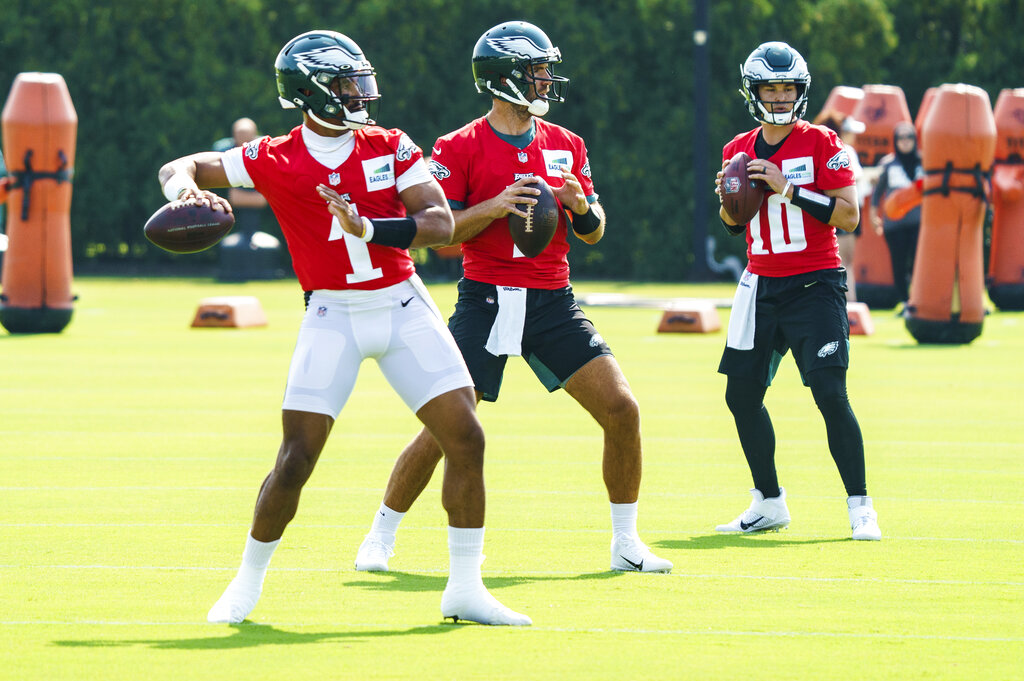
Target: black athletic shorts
point(805, 313)
point(558, 339)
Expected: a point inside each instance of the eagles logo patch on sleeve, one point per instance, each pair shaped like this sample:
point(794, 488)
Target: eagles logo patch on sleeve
point(252, 148)
point(406, 148)
point(840, 160)
point(438, 170)
point(586, 169)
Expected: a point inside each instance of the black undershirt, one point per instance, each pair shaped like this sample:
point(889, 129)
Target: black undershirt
point(764, 150)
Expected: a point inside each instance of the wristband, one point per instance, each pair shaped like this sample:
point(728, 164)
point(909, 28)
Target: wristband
point(177, 184)
point(734, 230)
point(818, 206)
point(394, 232)
point(367, 230)
point(586, 223)
point(785, 190)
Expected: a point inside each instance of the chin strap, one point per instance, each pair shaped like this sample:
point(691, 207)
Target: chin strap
point(537, 107)
point(347, 125)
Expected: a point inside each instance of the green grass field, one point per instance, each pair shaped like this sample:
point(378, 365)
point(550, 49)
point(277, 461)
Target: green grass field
point(132, 447)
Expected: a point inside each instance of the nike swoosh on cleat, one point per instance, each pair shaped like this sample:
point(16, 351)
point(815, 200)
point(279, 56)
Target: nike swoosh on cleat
point(746, 526)
point(639, 567)
point(406, 302)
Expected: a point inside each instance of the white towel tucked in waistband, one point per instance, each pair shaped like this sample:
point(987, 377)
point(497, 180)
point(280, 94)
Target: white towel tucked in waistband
point(741, 319)
point(506, 336)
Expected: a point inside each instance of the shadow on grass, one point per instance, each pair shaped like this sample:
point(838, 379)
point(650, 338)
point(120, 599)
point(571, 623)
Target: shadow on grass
point(746, 541)
point(405, 581)
point(249, 635)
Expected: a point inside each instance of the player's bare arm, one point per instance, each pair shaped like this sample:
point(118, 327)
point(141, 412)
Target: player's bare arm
point(427, 205)
point(846, 214)
point(424, 203)
point(571, 195)
point(475, 219)
point(192, 175)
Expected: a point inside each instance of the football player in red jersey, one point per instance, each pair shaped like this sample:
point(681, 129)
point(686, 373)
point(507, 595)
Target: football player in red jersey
point(792, 294)
point(511, 305)
point(351, 198)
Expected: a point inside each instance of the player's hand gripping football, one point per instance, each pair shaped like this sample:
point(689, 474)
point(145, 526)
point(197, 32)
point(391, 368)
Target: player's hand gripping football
point(760, 169)
point(518, 193)
point(202, 196)
point(570, 194)
point(718, 180)
point(341, 209)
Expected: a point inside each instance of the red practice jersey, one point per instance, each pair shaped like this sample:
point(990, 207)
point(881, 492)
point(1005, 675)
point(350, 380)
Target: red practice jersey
point(323, 254)
point(782, 239)
point(473, 165)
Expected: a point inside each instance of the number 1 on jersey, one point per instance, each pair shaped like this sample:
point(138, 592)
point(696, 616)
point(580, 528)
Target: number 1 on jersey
point(358, 254)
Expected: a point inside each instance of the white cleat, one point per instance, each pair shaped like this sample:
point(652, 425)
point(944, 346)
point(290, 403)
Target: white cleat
point(629, 554)
point(373, 554)
point(235, 604)
point(763, 515)
point(863, 519)
point(476, 604)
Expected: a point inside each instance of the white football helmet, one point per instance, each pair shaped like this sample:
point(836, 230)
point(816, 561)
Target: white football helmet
point(775, 62)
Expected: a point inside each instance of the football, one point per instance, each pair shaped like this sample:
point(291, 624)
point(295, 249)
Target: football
point(187, 226)
point(741, 196)
point(533, 233)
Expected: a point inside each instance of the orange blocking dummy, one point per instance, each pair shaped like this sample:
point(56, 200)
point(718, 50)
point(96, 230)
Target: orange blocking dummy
point(844, 99)
point(1006, 259)
point(958, 140)
point(881, 108)
point(39, 132)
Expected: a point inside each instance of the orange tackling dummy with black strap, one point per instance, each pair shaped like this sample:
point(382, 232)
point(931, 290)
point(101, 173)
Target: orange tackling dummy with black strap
point(39, 133)
point(1006, 259)
point(958, 140)
point(882, 107)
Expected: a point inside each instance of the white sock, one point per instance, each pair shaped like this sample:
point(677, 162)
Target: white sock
point(465, 553)
point(624, 519)
point(854, 502)
point(255, 560)
point(385, 523)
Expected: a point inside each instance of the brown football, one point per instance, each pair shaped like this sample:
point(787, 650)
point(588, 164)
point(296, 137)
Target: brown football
point(533, 233)
point(741, 196)
point(187, 226)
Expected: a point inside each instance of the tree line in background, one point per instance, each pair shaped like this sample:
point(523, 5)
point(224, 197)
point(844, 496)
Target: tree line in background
point(152, 81)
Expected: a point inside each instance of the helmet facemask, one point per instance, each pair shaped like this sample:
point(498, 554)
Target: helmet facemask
point(516, 86)
point(772, 63)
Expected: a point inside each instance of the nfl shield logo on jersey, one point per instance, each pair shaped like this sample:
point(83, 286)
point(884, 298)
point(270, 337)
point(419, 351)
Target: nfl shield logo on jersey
point(522, 157)
point(334, 178)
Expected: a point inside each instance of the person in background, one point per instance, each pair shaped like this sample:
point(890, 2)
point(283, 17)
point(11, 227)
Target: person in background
point(848, 127)
point(899, 169)
point(249, 204)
